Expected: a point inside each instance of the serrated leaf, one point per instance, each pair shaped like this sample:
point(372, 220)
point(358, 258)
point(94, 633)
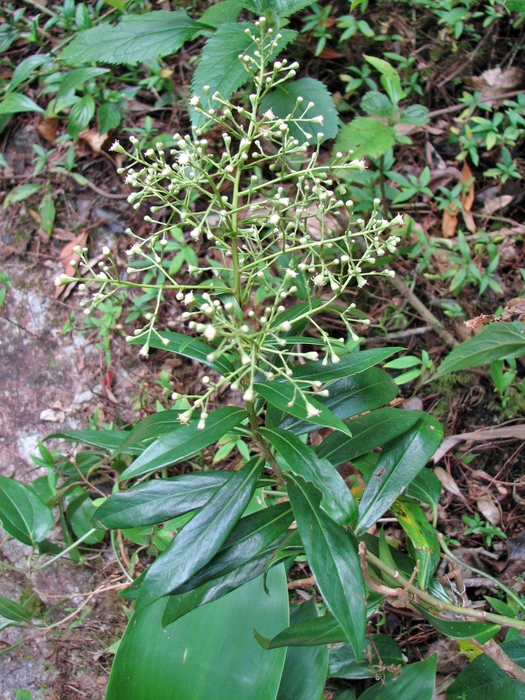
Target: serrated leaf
point(136, 38)
point(224, 12)
point(377, 104)
point(219, 66)
point(15, 102)
point(184, 441)
point(332, 556)
point(23, 515)
point(80, 114)
point(25, 69)
point(337, 500)
point(202, 537)
point(365, 136)
point(283, 100)
point(414, 114)
point(495, 342)
point(400, 460)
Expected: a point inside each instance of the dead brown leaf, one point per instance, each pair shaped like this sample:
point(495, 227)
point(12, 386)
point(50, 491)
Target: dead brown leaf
point(477, 323)
point(516, 432)
point(491, 206)
point(67, 254)
point(48, 129)
point(515, 308)
point(450, 221)
point(467, 198)
point(448, 482)
point(489, 510)
point(93, 139)
point(495, 82)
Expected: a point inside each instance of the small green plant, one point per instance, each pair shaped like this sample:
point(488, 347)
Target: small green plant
point(476, 526)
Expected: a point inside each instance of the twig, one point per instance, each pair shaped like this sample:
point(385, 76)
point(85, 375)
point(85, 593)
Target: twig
point(301, 583)
point(103, 193)
point(496, 653)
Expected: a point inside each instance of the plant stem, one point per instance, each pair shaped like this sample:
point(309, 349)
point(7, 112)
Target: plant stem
point(496, 653)
point(66, 550)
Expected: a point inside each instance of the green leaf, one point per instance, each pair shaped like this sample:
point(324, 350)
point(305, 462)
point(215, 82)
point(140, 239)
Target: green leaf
point(189, 347)
point(21, 193)
point(25, 69)
point(350, 396)
point(210, 653)
point(515, 5)
point(283, 103)
point(305, 669)
point(377, 104)
point(106, 439)
point(426, 487)
point(380, 650)
point(368, 432)
point(415, 682)
point(401, 459)
point(365, 136)
point(202, 537)
point(77, 78)
point(219, 66)
point(337, 500)
point(24, 516)
point(390, 79)
point(80, 114)
point(15, 102)
point(484, 679)
point(314, 632)
point(158, 500)
point(350, 364)
point(13, 611)
point(184, 441)
point(109, 117)
point(459, 629)
point(414, 114)
point(223, 12)
point(151, 427)
point(135, 39)
point(495, 342)
point(80, 520)
point(47, 212)
point(285, 397)
point(332, 557)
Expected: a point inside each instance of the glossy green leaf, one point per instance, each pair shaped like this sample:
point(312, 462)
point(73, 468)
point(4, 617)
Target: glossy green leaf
point(307, 633)
point(23, 515)
point(151, 427)
point(365, 136)
point(202, 537)
point(220, 68)
point(158, 500)
point(210, 653)
point(305, 668)
point(423, 541)
point(282, 100)
point(105, 439)
point(380, 650)
point(401, 459)
point(415, 682)
point(188, 347)
point(368, 432)
point(285, 398)
point(350, 396)
point(13, 611)
point(350, 364)
point(80, 519)
point(337, 500)
point(136, 38)
point(184, 441)
point(495, 342)
point(426, 487)
point(16, 102)
point(333, 560)
point(484, 680)
point(459, 629)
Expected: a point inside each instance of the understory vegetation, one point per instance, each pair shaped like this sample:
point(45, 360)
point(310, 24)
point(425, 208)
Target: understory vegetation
point(323, 227)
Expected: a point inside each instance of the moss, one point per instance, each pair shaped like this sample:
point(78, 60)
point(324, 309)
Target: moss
point(32, 603)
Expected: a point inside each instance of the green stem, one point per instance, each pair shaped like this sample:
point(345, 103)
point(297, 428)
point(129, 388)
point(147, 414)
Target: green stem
point(66, 550)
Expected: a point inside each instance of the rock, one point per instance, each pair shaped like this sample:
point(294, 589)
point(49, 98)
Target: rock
point(52, 416)
point(83, 397)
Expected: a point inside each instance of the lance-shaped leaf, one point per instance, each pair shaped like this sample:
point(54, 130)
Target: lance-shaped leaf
point(401, 459)
point(368, 432)
point(184, 442)
point(13, 611)
point(380, 650)
point(350, 364)
point(105, 439)
point(332, 557)
point(307, 633)
point(460, 629)
point(151, 427)
point(337, 500)
point(22, 514)
point(426, 487)
point(186, 346)
point(350, 396)
point(202, 537)
point(423, 542)
point(158, 500)
point(305, 669)
point(284, 397)
point(415, 682)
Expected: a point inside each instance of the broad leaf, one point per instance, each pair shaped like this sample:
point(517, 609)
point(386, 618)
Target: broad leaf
point(15, 102)
point(136, 38)
point(308, 633)
point(415, 114)
point(350, 364)
point(377, 104)
point(23, 515)
point(210, 653)
point(496, 341)
point(109, 117)
point(337, 500)
point(400, 460)
point(305, 669)
point(365, 136)
point(283, 103)
point(80, 114)
point(515, 5)
point(380, 650)
point(332, 557)
point(226, 11)
point(158, 500)
point(459, 629)
point(188, 347)
point(426, 487)
point(415, 682)
point(220, 68)
point(202, 537)
point(184, 442)
point(13, 611)
point(484, 679)
point(368, 432)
